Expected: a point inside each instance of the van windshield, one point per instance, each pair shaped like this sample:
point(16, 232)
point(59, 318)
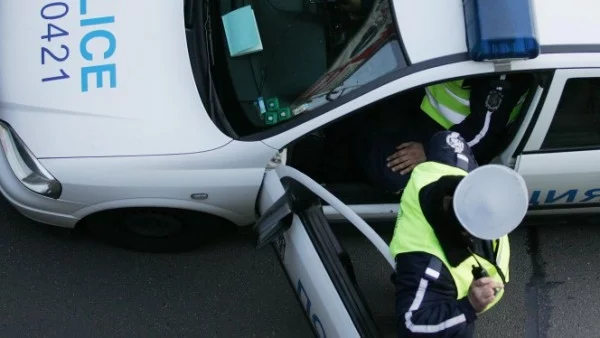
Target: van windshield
point(274, 60)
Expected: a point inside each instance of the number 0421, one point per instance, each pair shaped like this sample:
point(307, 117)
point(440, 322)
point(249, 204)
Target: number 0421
point(50, 12)
point(63, 75)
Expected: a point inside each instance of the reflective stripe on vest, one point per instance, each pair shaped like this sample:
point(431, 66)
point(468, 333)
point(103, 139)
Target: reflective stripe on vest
point(414, 234)
point(448, 103)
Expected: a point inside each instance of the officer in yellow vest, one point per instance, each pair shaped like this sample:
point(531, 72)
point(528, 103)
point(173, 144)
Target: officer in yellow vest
point(479, 109)
point(450, 241)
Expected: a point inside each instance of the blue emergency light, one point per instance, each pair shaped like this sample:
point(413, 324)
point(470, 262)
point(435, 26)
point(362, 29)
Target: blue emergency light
point(500, 30)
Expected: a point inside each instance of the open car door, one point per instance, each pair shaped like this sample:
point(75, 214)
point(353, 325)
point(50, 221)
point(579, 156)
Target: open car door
point(318, 269)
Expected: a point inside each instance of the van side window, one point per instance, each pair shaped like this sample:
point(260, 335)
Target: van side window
point(576, 123)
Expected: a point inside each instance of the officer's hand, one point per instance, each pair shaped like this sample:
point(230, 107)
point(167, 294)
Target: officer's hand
point(407, 156)
point(481, 293)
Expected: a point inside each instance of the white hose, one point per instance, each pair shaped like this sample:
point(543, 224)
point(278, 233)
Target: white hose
point(349, 214)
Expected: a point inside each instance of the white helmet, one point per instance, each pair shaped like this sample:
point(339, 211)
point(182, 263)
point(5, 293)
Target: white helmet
point(491, 201)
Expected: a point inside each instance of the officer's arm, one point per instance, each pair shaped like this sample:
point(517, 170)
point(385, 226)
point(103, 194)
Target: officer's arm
point(425, 299)
point(425, 292)
point(492, 100)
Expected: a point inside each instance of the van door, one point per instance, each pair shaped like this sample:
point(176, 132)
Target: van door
point(560, 159)
point(319, 270)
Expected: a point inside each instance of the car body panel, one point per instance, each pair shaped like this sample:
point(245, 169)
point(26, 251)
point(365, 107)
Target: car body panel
point(307, 275)
point(568, 178)
point(148, 104)
point(317, 266)
point(149, 141)
point(435, 28)
point(559, 178)
point(91, 185)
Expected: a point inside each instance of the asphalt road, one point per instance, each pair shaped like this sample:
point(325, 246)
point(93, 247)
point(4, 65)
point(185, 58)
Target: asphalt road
point(56, 283)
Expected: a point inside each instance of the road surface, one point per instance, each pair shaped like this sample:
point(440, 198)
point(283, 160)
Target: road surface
point(57, 283)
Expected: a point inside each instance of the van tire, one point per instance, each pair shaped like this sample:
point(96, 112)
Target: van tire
point(155, 230)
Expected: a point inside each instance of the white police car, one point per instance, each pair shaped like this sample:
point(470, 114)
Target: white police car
point(133, 120)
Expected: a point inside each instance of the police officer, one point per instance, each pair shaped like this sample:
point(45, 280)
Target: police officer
point(479, 109)
point(450, 242)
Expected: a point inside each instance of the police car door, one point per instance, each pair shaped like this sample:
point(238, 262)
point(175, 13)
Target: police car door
point(317, 267)
point(560, 159)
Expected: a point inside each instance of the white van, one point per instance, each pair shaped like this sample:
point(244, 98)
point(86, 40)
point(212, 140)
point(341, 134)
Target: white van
point(132, 118)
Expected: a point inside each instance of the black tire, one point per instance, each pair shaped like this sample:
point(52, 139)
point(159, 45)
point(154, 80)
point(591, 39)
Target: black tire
point(155, 230)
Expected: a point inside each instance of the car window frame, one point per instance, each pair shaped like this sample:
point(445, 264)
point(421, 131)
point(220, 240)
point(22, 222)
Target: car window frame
point(360, 92)
point(426, 75)
point(590, 84)
point(542, 121)
point(225, 123)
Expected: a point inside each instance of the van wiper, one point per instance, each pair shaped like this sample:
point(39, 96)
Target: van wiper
point(188, 13)
point(208, 32)
point(209, 59)
point(199, 20)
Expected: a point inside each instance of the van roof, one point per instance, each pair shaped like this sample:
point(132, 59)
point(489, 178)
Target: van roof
point(435, 28)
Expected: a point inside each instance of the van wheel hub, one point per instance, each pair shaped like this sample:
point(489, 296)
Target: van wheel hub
point(152, 224)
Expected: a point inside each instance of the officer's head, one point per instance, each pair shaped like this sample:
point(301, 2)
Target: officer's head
point(487, 203)
point(450, 148)
point(452, 229)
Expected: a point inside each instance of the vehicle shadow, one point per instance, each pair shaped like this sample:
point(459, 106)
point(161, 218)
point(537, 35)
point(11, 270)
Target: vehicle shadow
point(20, 225)
point(61, 283)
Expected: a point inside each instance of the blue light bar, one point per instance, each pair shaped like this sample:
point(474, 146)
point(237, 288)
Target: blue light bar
point(500, 29)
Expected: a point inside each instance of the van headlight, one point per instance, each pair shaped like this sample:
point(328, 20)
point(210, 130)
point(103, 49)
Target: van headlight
point(25, 166)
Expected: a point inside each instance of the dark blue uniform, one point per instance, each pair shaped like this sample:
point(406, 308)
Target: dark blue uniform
point(439, 312)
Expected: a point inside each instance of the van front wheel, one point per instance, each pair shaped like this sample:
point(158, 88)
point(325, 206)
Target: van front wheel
point(155, 230)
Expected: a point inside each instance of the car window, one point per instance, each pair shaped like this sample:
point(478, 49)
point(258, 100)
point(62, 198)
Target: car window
point(576, 123)
point(309, 57)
